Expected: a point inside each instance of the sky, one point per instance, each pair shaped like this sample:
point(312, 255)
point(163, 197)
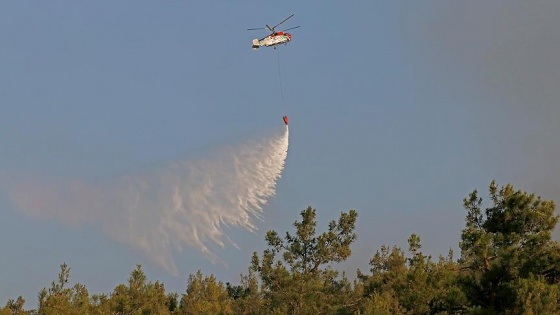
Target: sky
point(397, 109)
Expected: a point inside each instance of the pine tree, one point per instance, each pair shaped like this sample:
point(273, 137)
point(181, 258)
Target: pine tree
point(508, 260)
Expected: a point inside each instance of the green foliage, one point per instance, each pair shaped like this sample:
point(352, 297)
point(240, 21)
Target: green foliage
point(246, 297)
point(414, 285)
point(509, 265)
point(59, 299)
point(14, 307)
point(536, 296)
point(205, 296)
point(506, 247)
point(140, 297)
point(382, 303)
point(293, 279)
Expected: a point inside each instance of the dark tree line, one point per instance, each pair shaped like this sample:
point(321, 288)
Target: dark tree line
point(509, 264)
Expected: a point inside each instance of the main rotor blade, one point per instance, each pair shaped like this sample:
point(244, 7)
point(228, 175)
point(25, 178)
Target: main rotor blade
point(270, 28)
point(282, 21)
point(254, 29)
point(291, 28)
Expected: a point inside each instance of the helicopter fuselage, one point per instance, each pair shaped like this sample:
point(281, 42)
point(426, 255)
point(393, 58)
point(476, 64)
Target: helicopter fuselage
point(273, 39)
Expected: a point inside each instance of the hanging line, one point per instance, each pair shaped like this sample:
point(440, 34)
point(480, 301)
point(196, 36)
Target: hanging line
point(279, 75)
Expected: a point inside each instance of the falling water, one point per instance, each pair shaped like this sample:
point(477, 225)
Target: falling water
point(185, 202)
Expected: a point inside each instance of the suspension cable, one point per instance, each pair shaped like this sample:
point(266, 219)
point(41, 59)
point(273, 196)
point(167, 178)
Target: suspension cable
point(279, 75)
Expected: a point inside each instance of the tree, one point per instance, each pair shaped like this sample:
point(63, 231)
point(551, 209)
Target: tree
point(246, 296)
point(302, 280)
point(384, 289)
point(59, 299)
point(507, 252)
point(447, 296)
point(205, 295)
point(140, 297)
point(14, 307)
point(413, 285)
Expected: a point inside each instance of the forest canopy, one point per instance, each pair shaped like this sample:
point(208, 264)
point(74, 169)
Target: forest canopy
point(508, 264)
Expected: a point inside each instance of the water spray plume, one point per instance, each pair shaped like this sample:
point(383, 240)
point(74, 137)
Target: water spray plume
point(182, 203)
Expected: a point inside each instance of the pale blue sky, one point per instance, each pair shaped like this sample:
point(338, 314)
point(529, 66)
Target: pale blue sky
point(398, 109)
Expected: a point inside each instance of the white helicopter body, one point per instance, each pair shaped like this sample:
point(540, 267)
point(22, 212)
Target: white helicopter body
point(275, 38)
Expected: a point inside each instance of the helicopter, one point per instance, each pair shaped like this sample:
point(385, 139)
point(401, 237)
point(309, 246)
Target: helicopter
point(275, 38)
